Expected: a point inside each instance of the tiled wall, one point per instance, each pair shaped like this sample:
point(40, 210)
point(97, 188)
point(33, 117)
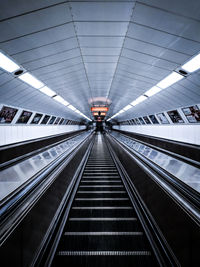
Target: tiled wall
point(11, 134)
point(183, 133)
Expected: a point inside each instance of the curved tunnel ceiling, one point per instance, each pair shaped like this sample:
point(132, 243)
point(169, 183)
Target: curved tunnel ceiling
point(111, 50)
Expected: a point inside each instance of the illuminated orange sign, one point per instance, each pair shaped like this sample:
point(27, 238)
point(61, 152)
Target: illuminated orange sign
point(95, 113)
point(105, 109)
point(103, 113)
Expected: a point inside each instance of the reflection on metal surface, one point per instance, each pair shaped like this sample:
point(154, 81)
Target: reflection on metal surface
point(14, 176)
point(183, 171)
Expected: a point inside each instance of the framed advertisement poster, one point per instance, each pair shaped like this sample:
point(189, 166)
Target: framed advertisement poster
point(57, 120)
point(137, 121)
point(45, 119)
point(52, 120)
point(175, 116)
point(162, 118)
point(61, 121)
point(7, 114)
point(24, 117)
point(36, 118)
point(141, 120)
point(133, 122)
point(153, 119)
point(64, 122)
point(146, 119)
point(192, 114)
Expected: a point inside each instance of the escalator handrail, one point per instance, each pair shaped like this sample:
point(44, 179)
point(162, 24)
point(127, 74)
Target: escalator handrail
point(14, 161)
point(180, 192)
point(162, 150)
point(187, 145)
point(16, 203)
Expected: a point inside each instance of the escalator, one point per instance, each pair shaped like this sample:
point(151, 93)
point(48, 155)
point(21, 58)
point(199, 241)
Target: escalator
point(102, 228)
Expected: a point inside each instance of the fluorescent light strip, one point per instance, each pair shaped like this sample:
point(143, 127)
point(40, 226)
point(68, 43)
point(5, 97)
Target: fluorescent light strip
point(138, 100)
point(154, 90)
point(72, 107)
point(169, 80)
point(7, 64)
point(31, 80)
point(47, 91)
point(61, 100)
point(127, 107)
point(193, 64)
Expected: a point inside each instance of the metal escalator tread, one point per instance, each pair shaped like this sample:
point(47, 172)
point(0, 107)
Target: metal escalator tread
point(103, 228)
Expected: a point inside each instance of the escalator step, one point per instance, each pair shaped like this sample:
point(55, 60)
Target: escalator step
point(105, 259)
point(128, 224)
point(103, 241)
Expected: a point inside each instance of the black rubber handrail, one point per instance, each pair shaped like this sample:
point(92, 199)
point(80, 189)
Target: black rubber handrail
point(186, 150)
point(175, 155)
point(14, 204)
point(184, 195)
point(162, 139)
point(16, 160)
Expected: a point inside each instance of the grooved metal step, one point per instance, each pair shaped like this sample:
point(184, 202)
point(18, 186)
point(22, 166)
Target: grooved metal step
point(101, 192)
point(102, 219)
point(102, 199)
point(103, 208)
point(104, 253)
point(114, 186)
point(103, 233)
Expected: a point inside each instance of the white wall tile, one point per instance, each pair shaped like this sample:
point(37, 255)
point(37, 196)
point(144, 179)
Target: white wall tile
point(182, 133)
point(12, 134)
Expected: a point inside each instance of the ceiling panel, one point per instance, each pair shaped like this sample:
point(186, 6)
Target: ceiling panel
point(101, 28)
point(154, 61)
point(181, 7)
point(35, 22)
point(100, 59)
point(46, 50)
point(51, 60)
point(93, 11)
point(101, 51)
point(147, 48)
point(167, 22)
point(57, 66)
point(101, 42)
point(38, 39)
point(10, 8)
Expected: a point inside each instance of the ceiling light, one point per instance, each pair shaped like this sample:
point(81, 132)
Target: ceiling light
point(31, 80)
point(154, 90)
point(121, 111)
point(193, 64)
point(127, 107)
point(139, 100)
point(61, 100)
point(47, 91)
point(7, 64)
point(71, 107)
point(169, 80)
